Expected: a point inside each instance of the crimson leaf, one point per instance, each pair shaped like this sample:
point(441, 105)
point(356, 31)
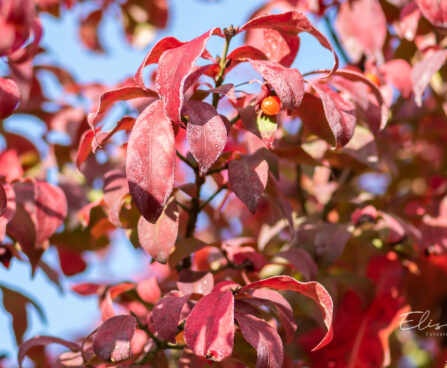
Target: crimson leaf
point(151, 161)
point(9, 96)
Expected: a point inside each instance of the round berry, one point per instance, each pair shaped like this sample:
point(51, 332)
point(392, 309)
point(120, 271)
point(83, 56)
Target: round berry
point(373, 78)
point(271, 105)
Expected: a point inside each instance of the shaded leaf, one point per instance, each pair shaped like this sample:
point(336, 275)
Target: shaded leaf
point(9, 97)
point(302, 261)
point(88, 31)
point(3, 200)
point(190, 282)
point(166, 314)
point(115, 188)
point(112, 340)
point(150, 161)
point(248, 179)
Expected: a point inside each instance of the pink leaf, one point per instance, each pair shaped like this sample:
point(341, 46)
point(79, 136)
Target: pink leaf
point(85, 147)
point(9, 97)
point(149, 290)
point(312, 289)
point(174, 67)
point(206, 132)
point(158, 239)
point(242, 53)
point(287, 83)
point(435, 11)
point(209, 328)
point(166, 314)
point(292, 22)
point(398, 73)
point(423, 71)
point(120, 94)
point(355, 22)
point(112, 340)
point(153, 56)
point(150, 161)
point(115, 188)
point(263, 338)
point(248, 179)
point(340, 114)
point(10, 166)
point(43, 340)
point(195, 282)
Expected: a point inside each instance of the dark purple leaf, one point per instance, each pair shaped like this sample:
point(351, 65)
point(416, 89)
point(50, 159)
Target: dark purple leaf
point(302, 261)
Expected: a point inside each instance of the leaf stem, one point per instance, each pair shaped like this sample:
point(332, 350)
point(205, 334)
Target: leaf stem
point(204, 204)
point(186, 161)
point(229, 33)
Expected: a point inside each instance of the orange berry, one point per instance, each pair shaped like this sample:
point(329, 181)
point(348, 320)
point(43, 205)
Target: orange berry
point(271, 105)
point(373, 78)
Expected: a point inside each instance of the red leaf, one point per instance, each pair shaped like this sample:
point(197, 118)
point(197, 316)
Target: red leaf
point(3, 200)
point(9, 97)
point(312, 289)
point(248, 179)
point(263, 338)
point(149, 290)
point(340, 114)
point(302, 261)
point(125, 123)
point(88, 31)
point(71, 262)
point(166, 315)
point(355, 22)
point(51, 210)
point(423, 71)
point(86, 288)
point(112, 340)
point(287, 83)
point(206, 132)
point(150, 161)
point(158, 239)
point(153, 56)
point(174, 67)
point(120, 94)
point(115, 188)
point(10, 166)
point(209, 328)
point(195, 282)
point(242, 53)
point(85, 147)
point(282, 306)
point(43, 340)
point(292, 22)
point(434, 11)
point(398, 73)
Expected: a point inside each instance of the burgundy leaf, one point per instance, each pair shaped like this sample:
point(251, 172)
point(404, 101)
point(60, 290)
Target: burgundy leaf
point(263, 338)
point(195, 282)
point(158, 239)
point(340, 114)
point(292, 22)
point(282, 306)
point(115, 188)
point(151, 161)
point(206, 132)
point(43, 340)
point(302, 261)
point(355, 22)
point(166, 315)
point(126, 123)
point(9, 97)
point(153, 56)
point(312, 289)
point(3, 200)
point(209, 328)
point(287, 83)
point(88, 31)
point(248, 179)
point(71, 262)
point(434, 11)
point(112, 340)
point(110, 97)
point(174, 67)
point(423, 71)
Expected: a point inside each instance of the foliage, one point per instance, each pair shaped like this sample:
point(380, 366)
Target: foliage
point(303, 184)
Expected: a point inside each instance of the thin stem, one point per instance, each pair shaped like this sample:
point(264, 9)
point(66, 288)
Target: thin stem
point(185, 160)
point(223, 65)
point(225, 186)
point(146, 329)
point(235, 119)
point(334, 36)
point(181, 205)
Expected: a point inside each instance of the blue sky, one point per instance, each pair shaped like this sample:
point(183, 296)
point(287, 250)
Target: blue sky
point(68, 315)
